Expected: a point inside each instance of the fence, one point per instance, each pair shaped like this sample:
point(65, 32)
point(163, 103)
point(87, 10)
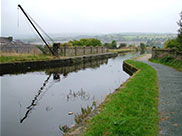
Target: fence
point(161, 53)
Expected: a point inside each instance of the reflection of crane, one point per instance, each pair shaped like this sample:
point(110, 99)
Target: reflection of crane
point(55, 45)
point(35, 100)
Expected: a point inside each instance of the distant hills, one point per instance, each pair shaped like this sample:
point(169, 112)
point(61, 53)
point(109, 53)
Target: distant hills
point(153, 39)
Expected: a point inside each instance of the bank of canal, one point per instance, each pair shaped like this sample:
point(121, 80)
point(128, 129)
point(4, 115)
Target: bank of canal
point(131, 110)
point(37, 103)
point(25, 66)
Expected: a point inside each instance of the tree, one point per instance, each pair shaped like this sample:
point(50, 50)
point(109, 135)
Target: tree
point(108, 45)
point(173, 44)
point(142, 46)
point(166, 44)
point(94, 42)
point(86, 42)
point(113, 44)
point(121, 45)
point(179, 38)
point(133, 46)
point(176, 43)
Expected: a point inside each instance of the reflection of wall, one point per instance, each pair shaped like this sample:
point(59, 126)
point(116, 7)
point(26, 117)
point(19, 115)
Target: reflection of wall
point(56, 72)
point(23, 67)
point(67, 69)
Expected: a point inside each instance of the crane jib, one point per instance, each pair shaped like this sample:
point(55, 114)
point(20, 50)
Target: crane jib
point(52, 52)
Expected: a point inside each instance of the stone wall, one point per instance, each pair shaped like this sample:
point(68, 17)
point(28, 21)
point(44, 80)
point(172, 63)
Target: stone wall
point(79, 51)
point(62, 51)
point(161, 53)
point(129, 68)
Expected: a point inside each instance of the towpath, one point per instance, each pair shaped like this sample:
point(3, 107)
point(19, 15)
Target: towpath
point(170, 98)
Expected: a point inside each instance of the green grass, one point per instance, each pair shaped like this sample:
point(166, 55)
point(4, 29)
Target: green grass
point(7, 58)
point(177, 64)
point(132, 109)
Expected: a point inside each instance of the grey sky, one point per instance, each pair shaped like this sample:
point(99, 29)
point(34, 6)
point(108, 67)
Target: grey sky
point(91, 16)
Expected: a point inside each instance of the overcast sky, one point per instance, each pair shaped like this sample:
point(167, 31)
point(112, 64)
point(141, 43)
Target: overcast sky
point(91, 16)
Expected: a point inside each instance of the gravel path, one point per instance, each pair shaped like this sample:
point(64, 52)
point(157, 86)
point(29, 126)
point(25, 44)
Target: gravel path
point(170, 96)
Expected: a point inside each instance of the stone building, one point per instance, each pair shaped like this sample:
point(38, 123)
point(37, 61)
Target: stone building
point(8, 45)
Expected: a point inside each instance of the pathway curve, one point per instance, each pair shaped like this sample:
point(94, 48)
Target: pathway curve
point(170, 96)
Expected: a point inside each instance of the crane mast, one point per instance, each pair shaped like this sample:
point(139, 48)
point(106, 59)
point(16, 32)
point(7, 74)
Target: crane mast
point(52, 52)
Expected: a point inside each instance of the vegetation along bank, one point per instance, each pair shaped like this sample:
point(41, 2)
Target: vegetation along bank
point(169, 61)
point(131, 110)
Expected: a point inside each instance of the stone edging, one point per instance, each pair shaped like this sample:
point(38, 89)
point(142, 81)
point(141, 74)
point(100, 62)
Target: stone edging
point(129, 68)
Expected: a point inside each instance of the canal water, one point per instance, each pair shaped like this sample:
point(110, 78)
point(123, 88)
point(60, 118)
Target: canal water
point(37, 103)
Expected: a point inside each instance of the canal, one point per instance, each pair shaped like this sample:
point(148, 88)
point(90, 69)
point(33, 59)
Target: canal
point(37, 103)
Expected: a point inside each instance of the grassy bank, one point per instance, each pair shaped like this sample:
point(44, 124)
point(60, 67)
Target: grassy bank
point(13, 57)
point(120, 50)
point(177, 64)
point(132, 109)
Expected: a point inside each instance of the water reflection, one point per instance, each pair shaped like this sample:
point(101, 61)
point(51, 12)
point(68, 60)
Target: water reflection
point(67, 69)
point(35, 100)
point(53, 93)
point(10, 69)
point(142, 51)
point(56, 77)
point(57, 72)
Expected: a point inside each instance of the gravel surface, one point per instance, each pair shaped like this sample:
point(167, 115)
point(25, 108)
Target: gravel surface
point(170, 99)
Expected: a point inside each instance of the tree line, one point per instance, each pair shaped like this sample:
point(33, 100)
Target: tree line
point(83, 42)
point(177, 42)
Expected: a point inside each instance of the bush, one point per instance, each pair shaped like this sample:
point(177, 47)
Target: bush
point(122, 45)
point(86, 42)
point(173, 43)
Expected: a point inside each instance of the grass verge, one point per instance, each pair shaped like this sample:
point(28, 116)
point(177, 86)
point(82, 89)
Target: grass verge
point(7, 58)
point(132, 109)
point(177, 64)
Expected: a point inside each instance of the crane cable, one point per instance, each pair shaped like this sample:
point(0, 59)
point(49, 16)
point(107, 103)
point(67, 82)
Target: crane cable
point(33, 31)
point(18, 17)
point(38, 27)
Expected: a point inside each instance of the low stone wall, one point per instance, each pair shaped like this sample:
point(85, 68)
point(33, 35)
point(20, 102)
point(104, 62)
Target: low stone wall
point(161, 53)
point(129, 69)
point(79, 51)
point(62, 51)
